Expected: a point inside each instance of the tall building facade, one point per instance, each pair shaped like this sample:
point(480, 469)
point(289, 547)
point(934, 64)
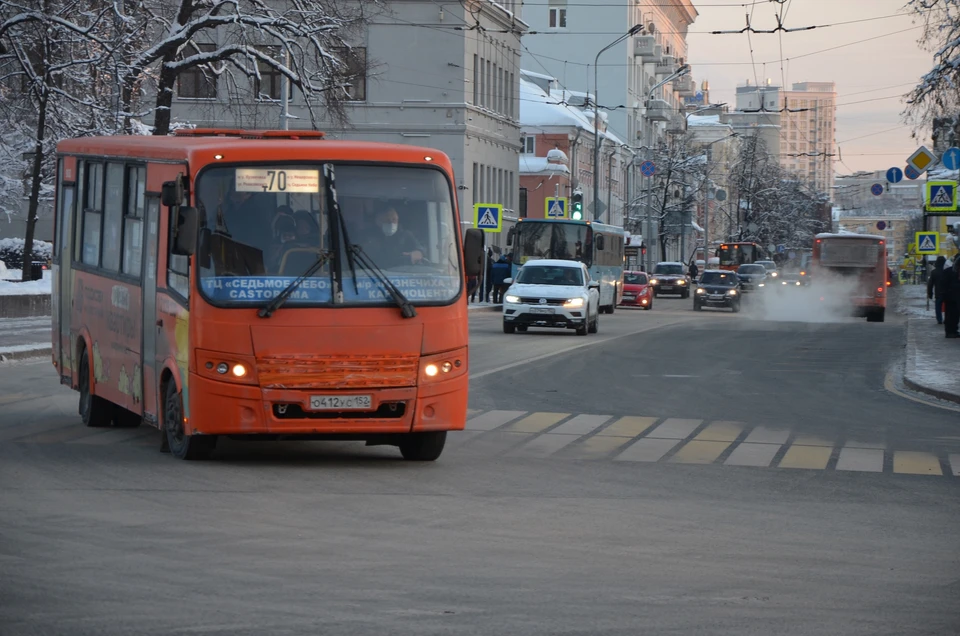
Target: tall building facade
point(809, 125)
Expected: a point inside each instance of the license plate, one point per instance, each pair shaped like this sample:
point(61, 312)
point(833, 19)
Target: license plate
point(628, 297)
point(542, 310)
point(340, 402)
point(715, 297)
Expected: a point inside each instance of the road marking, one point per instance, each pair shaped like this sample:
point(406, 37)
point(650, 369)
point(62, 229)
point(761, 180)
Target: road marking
point(647, 450)
point(810, 457)
point(890, 385)
point(858, 444)
point(681, 376)
point(699, 452)
point(590, 343)
point(747, 454)
point(600, 446)
point(581, 425)
point(720, 432)
point(861, 459)
point(543, 445)
point(674, 428)
point(916, 463)
point(492, 419)
point(629, 426)
point(955, 464)
point(537, 422)
point(804, 440)
point(764, 435)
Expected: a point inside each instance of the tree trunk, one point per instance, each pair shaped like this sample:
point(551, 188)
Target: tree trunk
point(36, 179)
point(161, 114)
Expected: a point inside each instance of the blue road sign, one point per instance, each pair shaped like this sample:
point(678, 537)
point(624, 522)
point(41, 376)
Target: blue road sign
point(488, 216)
point(894, 175)
point(781, 249)
point(881, 225)
point(911, 172)
point(876, 189)
point(648, 168)
point(951, 159)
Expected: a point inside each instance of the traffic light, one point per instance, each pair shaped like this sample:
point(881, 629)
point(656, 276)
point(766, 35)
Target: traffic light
point(643, 249)
point(577, 206)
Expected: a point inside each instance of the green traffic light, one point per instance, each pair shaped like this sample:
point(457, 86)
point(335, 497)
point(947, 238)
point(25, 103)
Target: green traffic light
point(576, 215)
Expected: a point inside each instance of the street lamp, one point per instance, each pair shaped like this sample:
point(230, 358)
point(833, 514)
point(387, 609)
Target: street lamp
point(596, 117)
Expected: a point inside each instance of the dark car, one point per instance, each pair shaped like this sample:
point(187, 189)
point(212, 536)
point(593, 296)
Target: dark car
point(670, 278)
point(752, 277)
point(718, 288)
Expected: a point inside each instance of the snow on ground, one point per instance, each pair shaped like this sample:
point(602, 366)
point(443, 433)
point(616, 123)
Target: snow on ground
point(30, 288)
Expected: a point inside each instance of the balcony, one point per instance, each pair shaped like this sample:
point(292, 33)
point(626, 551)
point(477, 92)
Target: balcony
point(685, 86)
point(646, 47)
point(659, 110)
point(677, 124)
point(667, 65)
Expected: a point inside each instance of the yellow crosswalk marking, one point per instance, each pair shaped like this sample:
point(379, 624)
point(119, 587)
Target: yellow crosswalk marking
point(600, 445)
point(916, 463)
point(811, 457)
point(699, 452)
point(806, 440)
point(629, 426)
point(537, 422)
point(720, 432)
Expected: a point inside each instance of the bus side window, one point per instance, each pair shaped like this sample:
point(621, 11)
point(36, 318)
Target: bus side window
point(599, 242)
point(178, 265)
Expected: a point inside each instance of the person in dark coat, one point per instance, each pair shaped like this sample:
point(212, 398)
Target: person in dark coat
point(488, 276)
point(951, 299)
point(935, 287)
point(501, 272)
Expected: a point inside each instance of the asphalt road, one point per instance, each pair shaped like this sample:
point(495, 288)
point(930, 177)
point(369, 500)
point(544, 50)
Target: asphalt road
point(678, 473)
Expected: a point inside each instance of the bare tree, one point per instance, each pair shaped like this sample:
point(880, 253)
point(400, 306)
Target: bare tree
point(937, 95)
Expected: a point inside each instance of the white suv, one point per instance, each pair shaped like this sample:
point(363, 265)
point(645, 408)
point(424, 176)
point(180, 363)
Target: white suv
point(552, 293)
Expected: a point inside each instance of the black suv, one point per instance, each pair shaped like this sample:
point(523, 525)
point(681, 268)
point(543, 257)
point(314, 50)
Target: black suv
point(670, 278)
point(753, 276)
point(718, 288)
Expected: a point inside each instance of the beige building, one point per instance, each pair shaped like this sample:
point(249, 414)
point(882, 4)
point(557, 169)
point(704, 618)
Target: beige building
point(808, 142)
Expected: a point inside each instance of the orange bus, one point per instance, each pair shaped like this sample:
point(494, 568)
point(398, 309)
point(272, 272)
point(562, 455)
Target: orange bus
point(263, 284)
point(733, 255)
point(854, 264)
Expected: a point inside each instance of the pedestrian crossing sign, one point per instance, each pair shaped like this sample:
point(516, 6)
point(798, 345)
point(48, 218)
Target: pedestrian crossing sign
point(928, 243)
point(555, 208)
point(941, 196)
point(488, 217)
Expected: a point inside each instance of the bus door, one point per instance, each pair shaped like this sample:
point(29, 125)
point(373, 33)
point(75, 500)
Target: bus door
point(150, 327)
point(62, 273)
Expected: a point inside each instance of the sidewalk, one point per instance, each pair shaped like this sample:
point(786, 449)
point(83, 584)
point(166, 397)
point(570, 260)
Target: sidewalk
point(930, 360)
point(24, 338)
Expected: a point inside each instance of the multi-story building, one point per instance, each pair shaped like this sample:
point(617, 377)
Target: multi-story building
point(757, 113)
point(808, 124)
point(571, 34)
point(719, 141)
point(425, 83)
point(852, 193)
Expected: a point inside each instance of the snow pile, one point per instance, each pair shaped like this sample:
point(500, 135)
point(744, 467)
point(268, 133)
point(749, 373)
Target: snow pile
point(10, 285)
point(4, 272)
point(11, 251)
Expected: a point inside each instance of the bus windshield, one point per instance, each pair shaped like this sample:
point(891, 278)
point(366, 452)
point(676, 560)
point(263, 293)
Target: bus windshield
point(263, 226)
point(838, 252)
point(737, 254)
point(563, 241)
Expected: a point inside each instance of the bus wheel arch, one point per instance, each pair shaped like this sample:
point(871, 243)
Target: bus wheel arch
point(94, 411)
point(174, 438)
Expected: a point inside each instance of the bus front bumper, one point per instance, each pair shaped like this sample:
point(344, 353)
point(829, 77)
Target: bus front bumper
point(224, 408)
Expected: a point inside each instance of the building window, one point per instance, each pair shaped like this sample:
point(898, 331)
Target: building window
point(476, 81)
point(529, 145)
point(558, 18)
point(355, 75)
point(270, 84)
point(476, 184)
point(197, 82)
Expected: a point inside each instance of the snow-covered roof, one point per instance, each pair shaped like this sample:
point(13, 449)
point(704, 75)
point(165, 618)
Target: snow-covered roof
point(704, 120)
point(848, 234)
point(539, 109)
point(525, 73)
point(539, 165)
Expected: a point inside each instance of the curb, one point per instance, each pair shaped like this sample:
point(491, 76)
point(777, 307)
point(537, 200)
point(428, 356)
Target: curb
point(487, 308)
point(937, 393)
point(38, 352)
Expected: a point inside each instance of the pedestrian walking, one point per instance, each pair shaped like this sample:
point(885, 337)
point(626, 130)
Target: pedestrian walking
point(935, 288)
point(500, 272)
point(951, 300)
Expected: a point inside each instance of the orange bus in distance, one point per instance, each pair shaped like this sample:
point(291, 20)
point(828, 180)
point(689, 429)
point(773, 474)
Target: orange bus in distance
point(853, 265)
point(733, 255)
point(262, 284)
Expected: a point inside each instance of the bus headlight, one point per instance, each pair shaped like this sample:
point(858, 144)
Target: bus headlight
point(510, 298)
point(573, 303)
point(443, 366)
point(227, 367)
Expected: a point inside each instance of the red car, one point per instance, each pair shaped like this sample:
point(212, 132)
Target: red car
point(636, 290)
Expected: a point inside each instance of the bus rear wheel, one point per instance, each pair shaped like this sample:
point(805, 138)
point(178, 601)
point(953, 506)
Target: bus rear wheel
point(423, 447)
point(181, 445)
point(94, 410)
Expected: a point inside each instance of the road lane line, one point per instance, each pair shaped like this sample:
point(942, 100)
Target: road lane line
point(599, 446)
point(809, 457)
point(543, 445)
point(589, 343)
point(537, 422)
point(955, 464)
point(674, 428)
point(647, 450)
point(748, 454)
point(492, 419)
point(764, 435)
point(699, 452)
point(629, 426)
point(916, 463)
point(861, 459)
point(720, 432)
point(581, 425)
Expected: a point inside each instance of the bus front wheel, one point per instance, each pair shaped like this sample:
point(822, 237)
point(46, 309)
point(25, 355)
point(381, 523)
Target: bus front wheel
point(423, 447)
point(181, 445)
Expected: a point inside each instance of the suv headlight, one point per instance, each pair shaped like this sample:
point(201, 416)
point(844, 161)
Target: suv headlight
point(732, 292)
point(682, 281)
point(510, 298)
point(654, 281)
point(573, 303)
point(701, 290)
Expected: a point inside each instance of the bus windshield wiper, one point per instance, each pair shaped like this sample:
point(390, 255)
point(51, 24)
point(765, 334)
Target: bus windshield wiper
point(406, 307)
point(267, 310)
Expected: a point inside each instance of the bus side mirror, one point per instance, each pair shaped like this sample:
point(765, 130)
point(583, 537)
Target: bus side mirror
point(187, 226)
point(510, 234)
point(171, 193)
point(473, 252)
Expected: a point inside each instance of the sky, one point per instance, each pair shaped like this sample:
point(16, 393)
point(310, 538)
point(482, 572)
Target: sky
point(871, 134)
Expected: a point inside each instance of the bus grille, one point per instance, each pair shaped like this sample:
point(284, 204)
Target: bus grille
point(337, 372)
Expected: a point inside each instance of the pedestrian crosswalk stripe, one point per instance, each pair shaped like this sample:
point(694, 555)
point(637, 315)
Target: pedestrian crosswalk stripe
point(699, 452)
point(675, 429)
point(492, 419)
point(601, 446)
point(629, 426)
point(537, 422)
point(861, 459)
point(916, 463)
point(750, 454)
point(810, 457)
point(581, 425)
point(647, 449)
point(955, 465)
point(764, 435)
point(806, 440)
point(720, 432)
